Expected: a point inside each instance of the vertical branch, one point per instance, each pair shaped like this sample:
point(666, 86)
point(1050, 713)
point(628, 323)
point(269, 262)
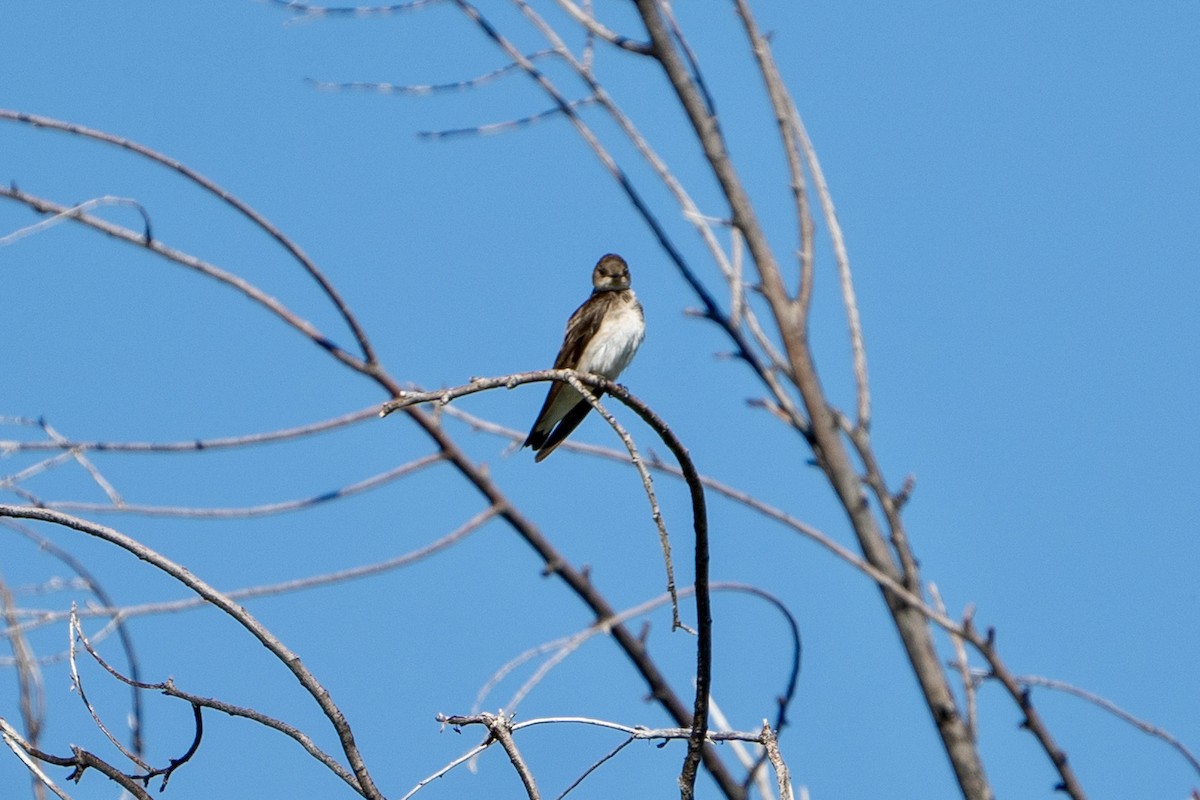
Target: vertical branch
point(783, 776)
point(795, 140)
point(843, 262)
point(29, 677)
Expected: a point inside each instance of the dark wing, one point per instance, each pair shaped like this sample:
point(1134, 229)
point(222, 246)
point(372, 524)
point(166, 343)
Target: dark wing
point(580, 327)
point(561, 431)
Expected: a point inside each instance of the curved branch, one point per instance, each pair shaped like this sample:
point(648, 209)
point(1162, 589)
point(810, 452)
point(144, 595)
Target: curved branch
point(1112, 708)
point(213, 188)
point(106, 599)
point(248, 289)
point(365, 785)
point(699, 716)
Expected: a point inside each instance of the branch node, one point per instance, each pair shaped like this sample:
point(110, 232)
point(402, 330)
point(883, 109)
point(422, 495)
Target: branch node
point(902, 497)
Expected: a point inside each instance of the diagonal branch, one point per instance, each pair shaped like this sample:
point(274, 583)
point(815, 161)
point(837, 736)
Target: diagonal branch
point(293, 249)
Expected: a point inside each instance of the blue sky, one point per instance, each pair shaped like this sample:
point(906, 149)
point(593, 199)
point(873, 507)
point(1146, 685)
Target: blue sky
point(1018, 187)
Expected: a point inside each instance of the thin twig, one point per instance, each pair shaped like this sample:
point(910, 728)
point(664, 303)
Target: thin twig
point(76, 633)
point(961, 663)
point(231, 280)
point(21, 749)
point(29, 675)
point(507, 125)
point(427, 88)
point(611, 754)
point(1033, 722)
point(8, 446)
point(315, 10)
point(120, 614)
point(664, 541)
point(113, 495)
point(173, 764)
point(1112, 708)
point(264, 509)
point(293, 249)
point(597, 29)
point(793, 133)
point(197, 702)
point(93, 585)
point(107, 200)
point(307, 680)
point(463, 759)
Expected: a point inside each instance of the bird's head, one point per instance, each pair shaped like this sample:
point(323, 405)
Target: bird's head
point(611, 274)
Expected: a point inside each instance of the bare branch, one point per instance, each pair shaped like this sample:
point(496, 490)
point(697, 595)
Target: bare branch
point(699, 521)
point(1033, 721)
point(611, 754)
point(664, 540)
point(961, 662)
point(320, 694)
point(314, 10)
point(191, 262)
point(368, 353)
point(1110, 707)
point(29, 676)
point(429, 88)
point(636, 731)
point(98, 202)
point(823, 432)
point(120, 614)
point(8, 446)
point(501, 729)
point(596, 28)
point(169, 689)
point(80, 759)
point(265, 509)
point(21, 749)
point(507, 125)
point(93, 585)
point(782, 775)
point(74, 633)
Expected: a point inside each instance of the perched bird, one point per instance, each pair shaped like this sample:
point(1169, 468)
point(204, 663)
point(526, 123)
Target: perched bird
point(602, 336)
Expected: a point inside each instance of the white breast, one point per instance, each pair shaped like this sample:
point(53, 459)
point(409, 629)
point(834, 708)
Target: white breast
point(614, 345)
